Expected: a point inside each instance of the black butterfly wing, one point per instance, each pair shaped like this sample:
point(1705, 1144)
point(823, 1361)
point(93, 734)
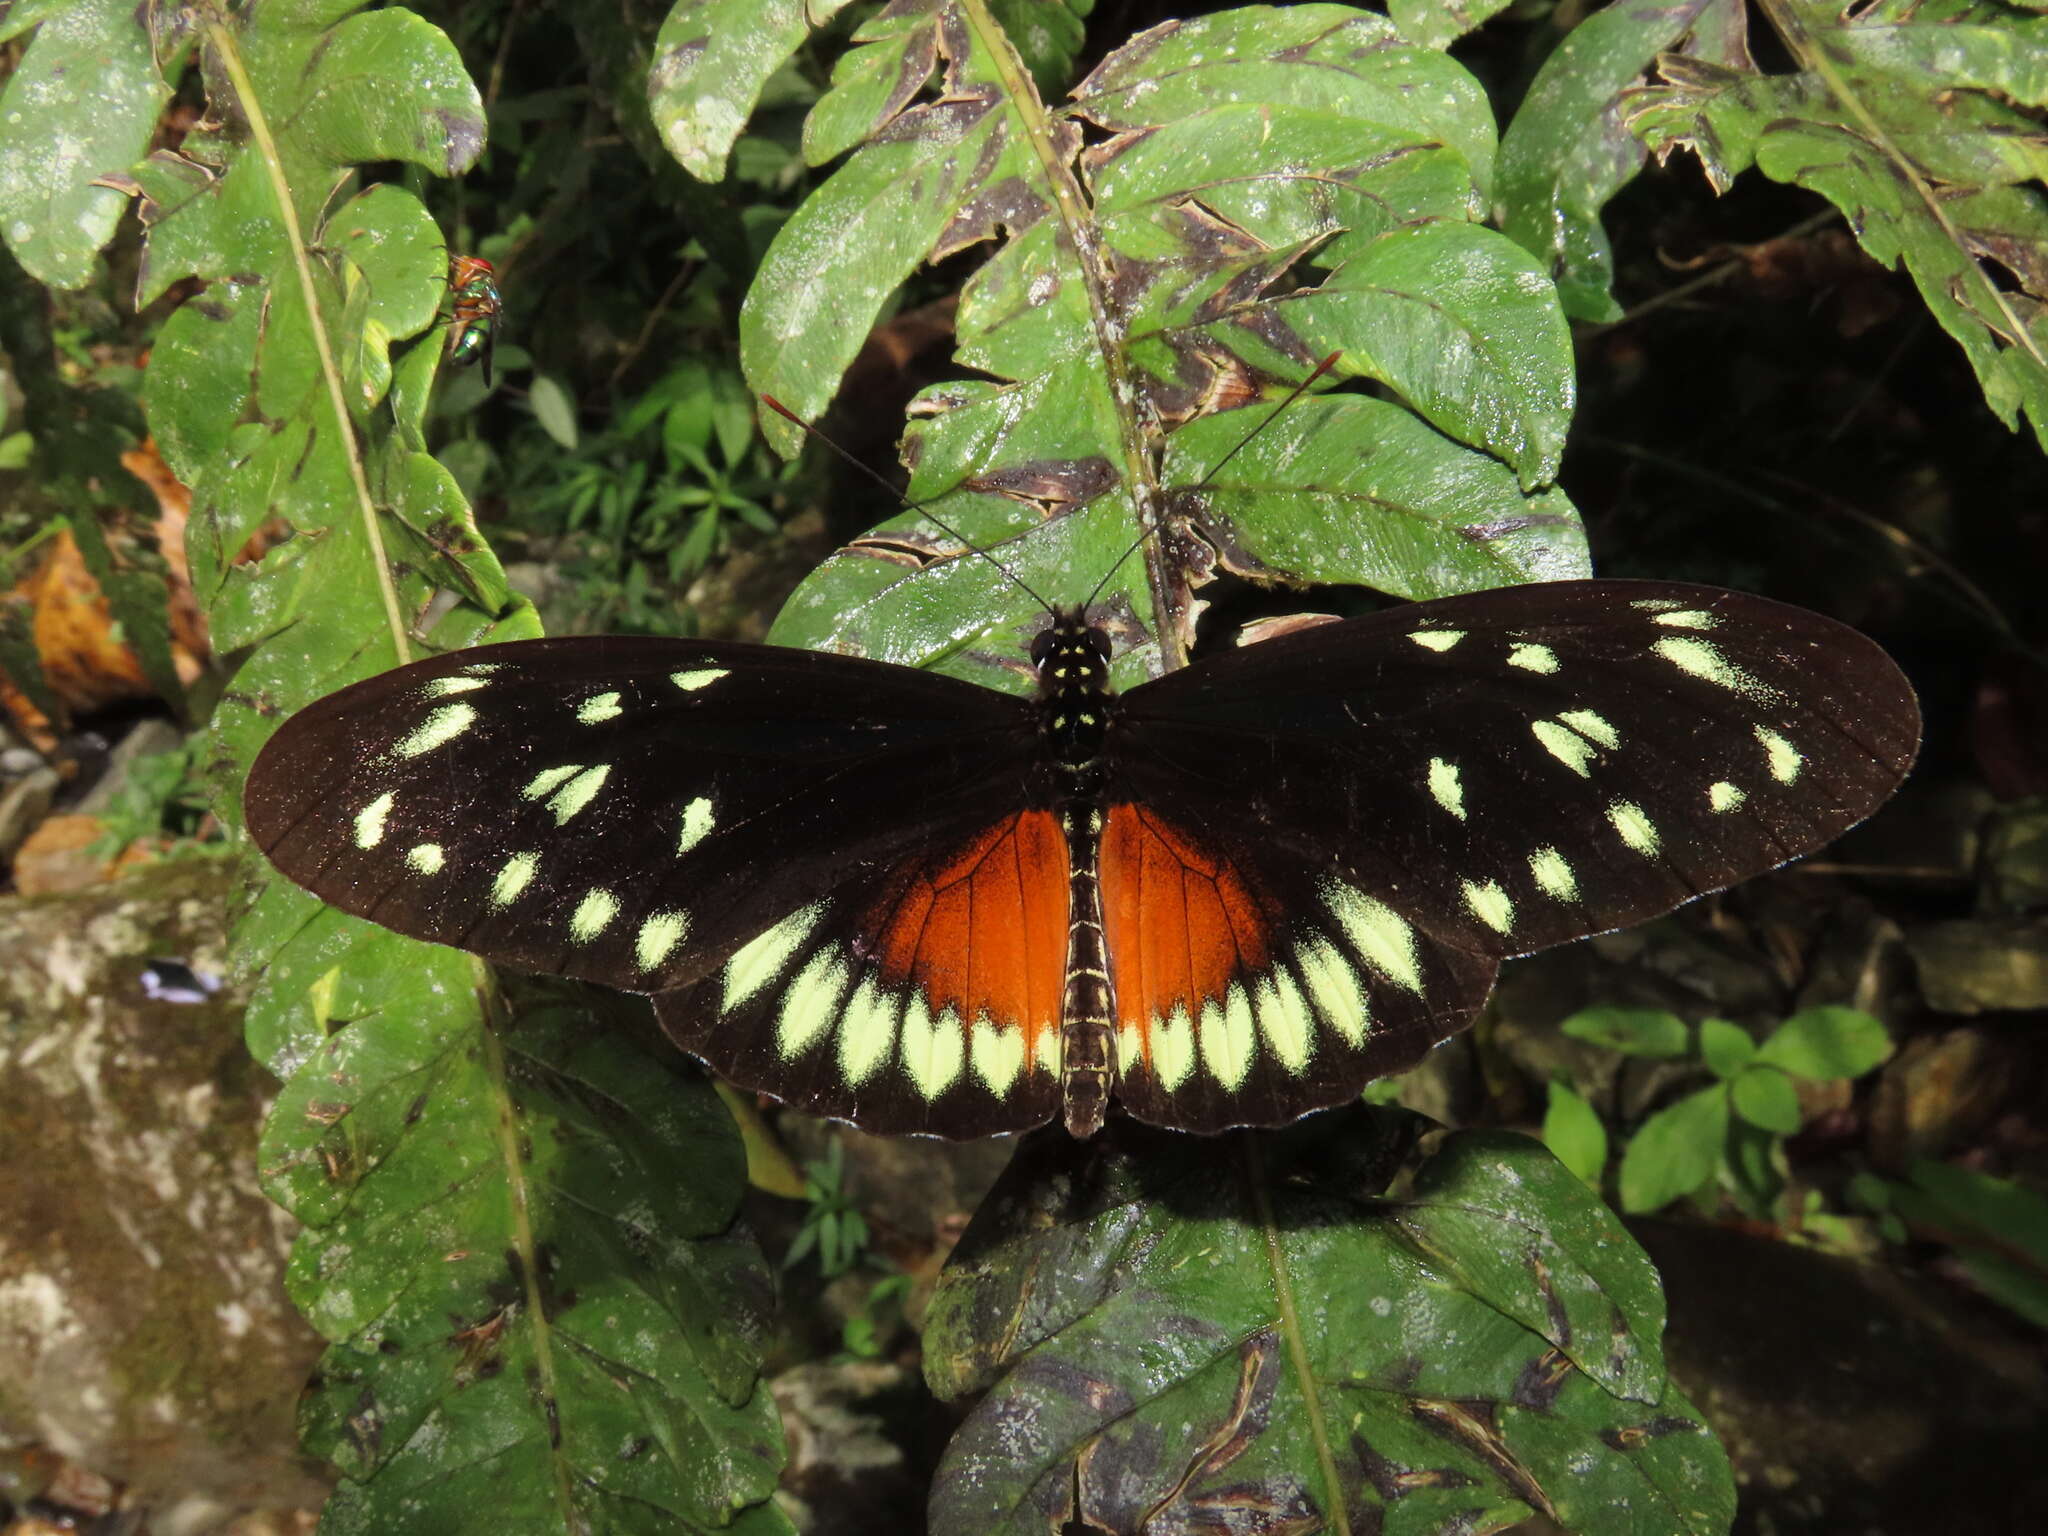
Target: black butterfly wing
point(1402, 800)
point(746, 831)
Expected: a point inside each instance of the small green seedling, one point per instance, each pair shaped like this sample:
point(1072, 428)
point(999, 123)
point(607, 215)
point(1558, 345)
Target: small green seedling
point(1728, 1134)
point(832, 1228)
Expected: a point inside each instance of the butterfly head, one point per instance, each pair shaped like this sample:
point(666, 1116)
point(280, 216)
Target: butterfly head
point(1071, 656)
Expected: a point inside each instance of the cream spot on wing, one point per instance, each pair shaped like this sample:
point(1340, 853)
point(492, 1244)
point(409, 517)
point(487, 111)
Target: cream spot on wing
point(761, 959)
point(1378, 933)
point(427, 858)
point(1335, 987)
point(1445, 788)
point(810, 1003)
point(1785, 759)
point(514, 877)
point(1567, 746)
point(593, 915)
point(598, 709)
point(703, 677)
point(1045, 1051)
point(1592, 726)
point(1130, 1049)
point(1173, 1048)
point(1226, 1037)
point(697, 824)
point(1634, 827)
point(1490, 904)
point(867, 1029)
point(658, 937)
point(444, 687)
point(1285, 1019)
point(934, 1050)
point(484, 668)
point(548, 778)
point(1696, 658)
point(1725, 796)
point(437, 730)
point(1686, 618)
point(1533, 658)
point(578, 793)
point(996, 1052)
point(1553, 875)
point(370, 820)
point(1437, 639)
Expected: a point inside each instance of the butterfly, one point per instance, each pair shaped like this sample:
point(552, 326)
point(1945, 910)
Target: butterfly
point(1228, 896)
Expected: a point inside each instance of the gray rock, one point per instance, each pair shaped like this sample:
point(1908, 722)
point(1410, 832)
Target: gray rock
point(150, 738)
point(144, 1329)
point(1982, 965)
point(23, 805)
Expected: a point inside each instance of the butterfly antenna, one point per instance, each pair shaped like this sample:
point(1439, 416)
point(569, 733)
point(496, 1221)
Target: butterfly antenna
point(1293, 395)
point(923, 509)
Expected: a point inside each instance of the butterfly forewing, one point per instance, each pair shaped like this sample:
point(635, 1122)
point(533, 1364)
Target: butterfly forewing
point(1437, 786)
point(627, 811)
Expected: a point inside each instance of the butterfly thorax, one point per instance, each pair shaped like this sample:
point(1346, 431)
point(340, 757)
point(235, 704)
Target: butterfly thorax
point(1075, 704)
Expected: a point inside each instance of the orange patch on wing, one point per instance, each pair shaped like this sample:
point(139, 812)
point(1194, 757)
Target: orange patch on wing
point(983, 929)
point(1179, 921)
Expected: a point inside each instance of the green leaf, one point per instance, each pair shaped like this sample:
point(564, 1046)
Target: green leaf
point(1573, 1131)
point(1675, 1151)
point(2002, 1211)
point(1910, 125)
point(1632, 1031)
point(1567, 151)
point(515, 1324)
point(1827, 1042)
point(711, 59)
point(1153, 242)
point(1463, 324)
point(872, 82)
point(553, 409)
point(1726, 1048)
point(24, 14)
point(610, 1288)
point(81, 105)
point(1273, 1301)
point(1754, 1170)
point(1765, 1097)
point(1348, 489)
point(2013, 1285)
point(1439, 23)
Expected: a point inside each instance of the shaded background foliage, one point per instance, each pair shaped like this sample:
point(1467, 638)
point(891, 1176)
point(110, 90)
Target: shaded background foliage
point(1763, 407)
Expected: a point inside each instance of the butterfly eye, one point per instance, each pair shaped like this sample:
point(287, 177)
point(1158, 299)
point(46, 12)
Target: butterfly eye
point(1042, 644)
point(1100, 641)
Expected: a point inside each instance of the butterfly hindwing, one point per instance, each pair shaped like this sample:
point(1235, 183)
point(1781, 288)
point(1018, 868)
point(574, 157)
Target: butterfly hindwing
point(1252, 989)
point(922, 997)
